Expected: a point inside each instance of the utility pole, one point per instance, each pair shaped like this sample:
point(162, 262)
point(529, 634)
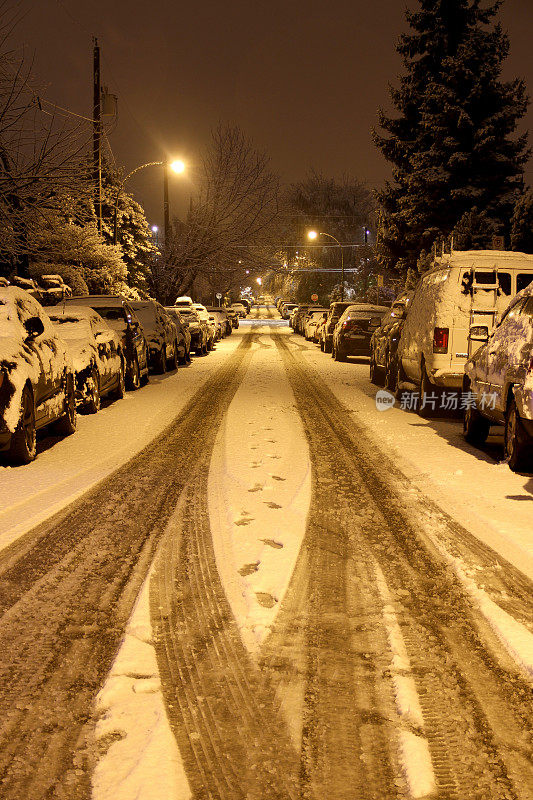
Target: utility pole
point(166, 207)
point(97, 133)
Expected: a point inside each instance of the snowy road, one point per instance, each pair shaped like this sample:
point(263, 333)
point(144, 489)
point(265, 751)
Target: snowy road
point(379, 651)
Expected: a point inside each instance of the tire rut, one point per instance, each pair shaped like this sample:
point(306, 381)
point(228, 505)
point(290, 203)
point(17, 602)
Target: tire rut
point(478, 715)
point(67, 590)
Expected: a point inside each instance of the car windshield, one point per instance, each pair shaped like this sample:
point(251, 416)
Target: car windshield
point(71, 327)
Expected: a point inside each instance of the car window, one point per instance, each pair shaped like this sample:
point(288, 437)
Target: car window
point(527, 308)
point(513, 311)
point(523, 279)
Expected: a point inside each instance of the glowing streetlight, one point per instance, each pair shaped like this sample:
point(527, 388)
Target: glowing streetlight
point(177, 166)
point(314, 235)
point(259, 281)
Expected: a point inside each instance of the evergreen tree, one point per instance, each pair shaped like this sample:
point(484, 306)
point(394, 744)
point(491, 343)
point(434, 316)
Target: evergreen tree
point(452, 146)
point(522, 223)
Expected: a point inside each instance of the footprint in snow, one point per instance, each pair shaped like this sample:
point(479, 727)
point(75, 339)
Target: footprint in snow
point(270, 504)
point(249, 569)
point(271, 456)
point(272, 543)
point(278, 478)
point(265, 599)
point(257, 488)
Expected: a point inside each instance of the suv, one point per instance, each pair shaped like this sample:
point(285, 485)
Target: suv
point(37, 384)
point(499, 380)
point(119, 315)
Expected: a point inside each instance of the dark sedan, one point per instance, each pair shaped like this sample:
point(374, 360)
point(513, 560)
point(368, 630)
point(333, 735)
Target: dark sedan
point(160, 334)
point(384, 344)
point(354, 330)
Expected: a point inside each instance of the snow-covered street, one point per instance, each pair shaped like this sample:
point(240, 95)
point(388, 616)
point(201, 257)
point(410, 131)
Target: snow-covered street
point(245, 581)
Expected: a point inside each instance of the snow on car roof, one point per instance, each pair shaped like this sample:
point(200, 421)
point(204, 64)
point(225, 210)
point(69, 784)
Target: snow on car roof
point(485, 259)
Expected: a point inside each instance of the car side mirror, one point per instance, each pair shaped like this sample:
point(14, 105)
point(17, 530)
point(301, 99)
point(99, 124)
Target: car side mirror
point(478, 333)
point(34, 327)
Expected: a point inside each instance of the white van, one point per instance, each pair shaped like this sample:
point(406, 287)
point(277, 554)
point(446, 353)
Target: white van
point(461, 289)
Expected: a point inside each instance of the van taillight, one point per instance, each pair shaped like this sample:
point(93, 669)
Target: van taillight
point(440, 340)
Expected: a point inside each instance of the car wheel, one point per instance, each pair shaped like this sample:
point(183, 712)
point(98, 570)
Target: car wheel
point(338, 356)
point(518, 446)
point(120, 391)
point(175, 360)
point(161, 363)
point(391, 373)
point(66, 425)
point(476, 427)
point(375, 374)
point(425, 409)
point(327, 347)
point(92, 404)
point(134, 377)
point(23, 446)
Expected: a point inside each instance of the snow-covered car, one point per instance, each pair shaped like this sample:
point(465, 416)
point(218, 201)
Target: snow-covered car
point(498, 382)
point(197, 328)
point(285, 310)
point(312, 318)
point(355, 328)
point(240, 308)
point(37, 384)
point(297, 316)
point(232, 316)
point(160, 334)
point(461, 289)
point(52, 289)
point(96, 351)
point(221, 315)
point(120, 316)
point(184, 301)
point(209, 321)
point(326, 334)
point(182, 333)
point(384, 343)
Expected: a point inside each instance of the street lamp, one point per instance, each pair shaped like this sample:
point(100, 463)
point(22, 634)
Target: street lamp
point(177, 166)
point(314, 235)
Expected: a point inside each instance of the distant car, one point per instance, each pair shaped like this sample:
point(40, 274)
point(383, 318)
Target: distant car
point(221, 316)
point(310, 322)
point(232, 316)
point(119, 315)
point(384, 343)
point(183, 302)
point(198, 330)
point(326, 334)
point(247, 303)
point(354, 330)
point(241, 309)
point(209, 320)
point(37, 384)
point(160, 334)
point(297, 315)
point(96, 351)
point(183, 334)
point(285, 310)
point(499, 379)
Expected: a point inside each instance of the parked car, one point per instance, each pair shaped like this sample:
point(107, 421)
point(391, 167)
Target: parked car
point(160, 334)
point(285, 310)
point(499, 377)
point(198, 330)
point(52, 289)
point(119, 315)
point(326, 333)
point(310, 322)
point(240, 308)
point(232, 316)
point(384, 343)
point(209, 320)
point(96, 352)
point(183, 302)
point(297, 314)
point(37, 384)
point(222, 317)
point(182, 333)
point(247, 303)
point(354, 330)
point(461, 289)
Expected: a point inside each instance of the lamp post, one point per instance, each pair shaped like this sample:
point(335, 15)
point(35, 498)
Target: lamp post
point(314, 235)
point(176, 166)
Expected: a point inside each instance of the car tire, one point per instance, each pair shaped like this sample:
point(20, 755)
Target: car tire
point(425, 387)
point(66, 425)
point(120, 391)
point(23, 445)
point(93, 402)
point(134, 376)
point(375, 373)
point(161, 363)
point(338, 356)
point(391, 373)
point(327, 347)
point(476, 427)
point(518, 446)
point(175, 360)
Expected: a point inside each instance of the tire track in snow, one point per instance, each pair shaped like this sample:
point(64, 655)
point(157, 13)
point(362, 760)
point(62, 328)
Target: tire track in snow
point(67, 592)
point(477, 715)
